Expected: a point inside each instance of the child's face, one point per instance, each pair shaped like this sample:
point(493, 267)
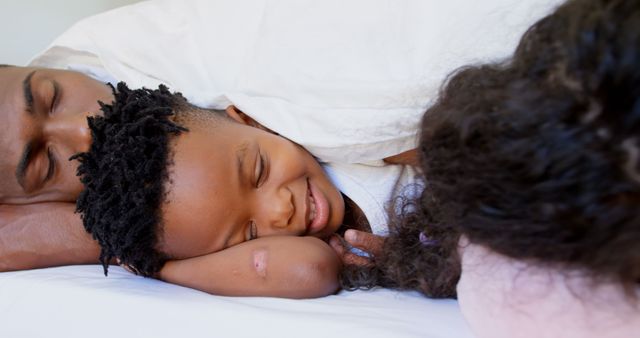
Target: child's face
point(229, 182)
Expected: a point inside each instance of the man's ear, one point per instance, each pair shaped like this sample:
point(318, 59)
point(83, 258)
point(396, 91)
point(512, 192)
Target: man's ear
point(237, 115)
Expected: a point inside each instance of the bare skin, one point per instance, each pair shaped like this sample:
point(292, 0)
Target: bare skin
point(365, 241)
point(42, 235)
point(270, 197)
point(38, 226)
point(409, 157)
point(263, 267)
point(35, 236)
point(52, 235)
point(43, 113)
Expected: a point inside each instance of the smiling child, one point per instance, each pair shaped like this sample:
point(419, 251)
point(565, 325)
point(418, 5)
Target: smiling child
point(215, 201)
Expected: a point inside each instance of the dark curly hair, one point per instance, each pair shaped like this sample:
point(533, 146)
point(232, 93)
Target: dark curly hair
point(536, 158)
point(124, 173)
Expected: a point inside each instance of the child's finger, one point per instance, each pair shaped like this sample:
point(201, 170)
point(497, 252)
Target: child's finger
point(364, 241)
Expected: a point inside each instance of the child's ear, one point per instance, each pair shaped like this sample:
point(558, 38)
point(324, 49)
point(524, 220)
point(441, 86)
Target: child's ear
point(240, 117)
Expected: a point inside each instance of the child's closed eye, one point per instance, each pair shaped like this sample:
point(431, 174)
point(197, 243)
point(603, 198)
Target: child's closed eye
point(252, 231)
point(261, 170)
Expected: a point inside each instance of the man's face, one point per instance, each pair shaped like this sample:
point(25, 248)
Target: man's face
point(232, 182)
point(43, 116)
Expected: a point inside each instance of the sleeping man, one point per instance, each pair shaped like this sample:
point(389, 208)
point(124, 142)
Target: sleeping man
point(304, 89)
point(212, 200)
point(44, 112)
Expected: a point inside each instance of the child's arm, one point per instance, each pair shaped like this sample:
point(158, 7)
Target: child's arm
point(290, 267)
point(42, 235)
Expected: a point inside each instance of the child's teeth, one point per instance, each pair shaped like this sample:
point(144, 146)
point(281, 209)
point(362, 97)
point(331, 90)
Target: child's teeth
point(313, 209)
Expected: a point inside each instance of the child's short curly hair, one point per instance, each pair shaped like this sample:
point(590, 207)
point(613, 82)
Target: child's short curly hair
point(536, 158)
point(124, 174)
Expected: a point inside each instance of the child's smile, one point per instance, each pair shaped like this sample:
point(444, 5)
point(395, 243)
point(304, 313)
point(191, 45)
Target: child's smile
point(230, 182)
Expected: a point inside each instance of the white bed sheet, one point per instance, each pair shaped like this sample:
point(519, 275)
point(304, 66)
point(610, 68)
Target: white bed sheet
point(78, 301)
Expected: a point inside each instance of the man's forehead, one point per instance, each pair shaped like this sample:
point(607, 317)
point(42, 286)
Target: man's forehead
point(11, 96)
point(11, 79)
point(11, 104)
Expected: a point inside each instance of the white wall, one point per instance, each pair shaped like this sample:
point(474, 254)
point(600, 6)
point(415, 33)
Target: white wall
point(28, 26)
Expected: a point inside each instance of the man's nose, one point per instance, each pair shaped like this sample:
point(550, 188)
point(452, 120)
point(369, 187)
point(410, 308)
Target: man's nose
point(70, 131)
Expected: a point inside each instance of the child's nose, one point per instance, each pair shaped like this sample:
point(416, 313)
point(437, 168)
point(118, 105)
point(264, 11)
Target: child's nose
point(277, 211)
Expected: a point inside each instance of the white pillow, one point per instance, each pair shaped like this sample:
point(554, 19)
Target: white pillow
point(348, 80)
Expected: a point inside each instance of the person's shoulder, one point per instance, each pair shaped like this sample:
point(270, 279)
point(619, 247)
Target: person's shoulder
point(43, 235)
point(504, 297)
point(36, 213)
point(17, 209)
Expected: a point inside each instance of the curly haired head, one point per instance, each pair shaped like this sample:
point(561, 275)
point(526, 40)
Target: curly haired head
point(536, 158)
point(124, 173)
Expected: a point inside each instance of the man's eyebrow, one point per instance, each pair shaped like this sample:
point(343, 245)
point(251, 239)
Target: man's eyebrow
point(28, 93)
point(23, 164)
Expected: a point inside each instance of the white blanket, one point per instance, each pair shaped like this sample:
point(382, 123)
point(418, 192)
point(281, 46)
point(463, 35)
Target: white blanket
point(79, 302)
point(348, 80)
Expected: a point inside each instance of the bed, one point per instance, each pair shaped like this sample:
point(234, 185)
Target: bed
point(78, 301)
point(286, 63)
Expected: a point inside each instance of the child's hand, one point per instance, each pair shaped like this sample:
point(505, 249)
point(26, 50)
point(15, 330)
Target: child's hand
point(367, 242)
